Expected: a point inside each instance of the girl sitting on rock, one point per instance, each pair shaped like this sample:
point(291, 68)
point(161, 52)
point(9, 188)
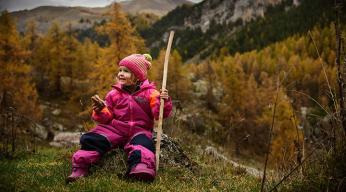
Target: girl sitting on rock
point(125, 119)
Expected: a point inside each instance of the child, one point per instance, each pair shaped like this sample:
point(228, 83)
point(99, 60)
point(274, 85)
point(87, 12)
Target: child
point(125, 119)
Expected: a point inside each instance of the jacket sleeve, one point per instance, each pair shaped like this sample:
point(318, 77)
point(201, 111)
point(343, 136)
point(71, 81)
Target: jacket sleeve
point(105, 115)
point(155, 105)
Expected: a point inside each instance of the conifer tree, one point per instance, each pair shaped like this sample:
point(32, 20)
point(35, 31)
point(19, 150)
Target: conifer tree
point(49, 61)
point(124, 40)
point(285, 131)
point(15, 74)
point(177, 78)
point(70, 57)
point(31, 37)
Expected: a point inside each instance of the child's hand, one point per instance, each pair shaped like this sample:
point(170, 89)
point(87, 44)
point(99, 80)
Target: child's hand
point(164, 94)
point(98, 103)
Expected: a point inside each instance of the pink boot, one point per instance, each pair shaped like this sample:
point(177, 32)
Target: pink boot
point(77, 173)
point(143, 173)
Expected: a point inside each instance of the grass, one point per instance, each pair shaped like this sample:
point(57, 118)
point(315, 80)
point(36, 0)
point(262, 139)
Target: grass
point(47, 169)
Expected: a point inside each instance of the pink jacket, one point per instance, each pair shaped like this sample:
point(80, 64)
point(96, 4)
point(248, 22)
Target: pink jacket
point(129, 111)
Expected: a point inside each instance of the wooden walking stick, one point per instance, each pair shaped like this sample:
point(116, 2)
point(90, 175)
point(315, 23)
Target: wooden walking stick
point(162, 101)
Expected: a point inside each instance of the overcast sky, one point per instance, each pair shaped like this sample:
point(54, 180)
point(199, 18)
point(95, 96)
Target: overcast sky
point(15, 5)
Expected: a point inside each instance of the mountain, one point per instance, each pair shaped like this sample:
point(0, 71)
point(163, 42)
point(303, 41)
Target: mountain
point(225, 12)
point(157, 7)
point(203, 29)
point(209, 16)
point(44, 16)
point(83, 17)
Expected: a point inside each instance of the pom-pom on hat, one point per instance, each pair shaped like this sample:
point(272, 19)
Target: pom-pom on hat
point(138, 64)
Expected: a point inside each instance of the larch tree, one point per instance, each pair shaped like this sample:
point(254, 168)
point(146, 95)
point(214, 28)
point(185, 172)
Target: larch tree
point(31, 43)
point(124, 40)
point(70, 58)
point(49, 61)
point(87, 55)
point(285, 131)
point(31, 38)
point(15, 77)
point(178, 83)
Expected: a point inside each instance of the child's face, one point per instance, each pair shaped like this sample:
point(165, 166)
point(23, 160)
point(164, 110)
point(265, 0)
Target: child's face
point(125, 76)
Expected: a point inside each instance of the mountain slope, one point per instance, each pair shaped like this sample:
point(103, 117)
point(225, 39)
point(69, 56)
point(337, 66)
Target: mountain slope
point(203, 29)
point(83, 17)
point(78, 17)
point(157, 7)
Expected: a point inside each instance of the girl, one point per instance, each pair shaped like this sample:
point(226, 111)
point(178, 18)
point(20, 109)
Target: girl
point(125, 119)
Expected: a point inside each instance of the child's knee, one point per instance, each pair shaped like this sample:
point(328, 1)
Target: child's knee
point(143, 140)
point(141, 150)
point(94, 142)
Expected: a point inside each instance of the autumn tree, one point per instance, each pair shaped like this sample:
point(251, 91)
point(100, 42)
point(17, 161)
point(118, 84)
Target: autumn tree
point(86, 55)
point(31, 38)
point(70, 57)
point(230, 75)
point(178, 82)
point(124, 40)
point(49, 63)
point(58, 61)
point(15, 74)
point(285, 134)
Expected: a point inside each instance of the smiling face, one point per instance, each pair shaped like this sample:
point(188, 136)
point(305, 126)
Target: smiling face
point(125, 76)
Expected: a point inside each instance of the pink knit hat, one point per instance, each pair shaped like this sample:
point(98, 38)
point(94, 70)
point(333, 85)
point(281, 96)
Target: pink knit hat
point(138, 64)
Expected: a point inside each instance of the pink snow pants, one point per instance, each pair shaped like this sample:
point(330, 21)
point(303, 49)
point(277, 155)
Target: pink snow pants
point(138, 146)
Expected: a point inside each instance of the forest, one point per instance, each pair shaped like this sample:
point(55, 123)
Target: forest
point(277, 100)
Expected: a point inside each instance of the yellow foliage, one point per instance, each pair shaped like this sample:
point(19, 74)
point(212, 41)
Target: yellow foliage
point(178, 82)
point(15, 77)
point(123, 41)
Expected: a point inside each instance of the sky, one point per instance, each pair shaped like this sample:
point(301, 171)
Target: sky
point(15, 5)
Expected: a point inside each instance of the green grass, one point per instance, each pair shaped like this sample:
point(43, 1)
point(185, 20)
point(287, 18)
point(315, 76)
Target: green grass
point(47, 169)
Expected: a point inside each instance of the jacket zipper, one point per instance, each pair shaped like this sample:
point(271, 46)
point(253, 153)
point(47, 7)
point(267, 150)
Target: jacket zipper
point(131, 116)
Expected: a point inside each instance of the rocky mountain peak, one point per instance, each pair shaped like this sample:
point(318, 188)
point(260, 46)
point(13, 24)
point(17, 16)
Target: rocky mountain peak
point(226, 11)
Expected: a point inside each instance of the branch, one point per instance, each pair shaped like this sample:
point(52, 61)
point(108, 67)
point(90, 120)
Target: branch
point(270, 135)
point(293, 170)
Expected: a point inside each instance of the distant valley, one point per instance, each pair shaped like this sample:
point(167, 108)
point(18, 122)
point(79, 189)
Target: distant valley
point(84, 17)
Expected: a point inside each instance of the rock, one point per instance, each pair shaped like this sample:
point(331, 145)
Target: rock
point(43, 107)
point(58, 126)
point(40, 131)
point(173, 155)
point(56, 112)
point(211, 151)
point(66, 139)
point(66, 84)
point(80, 127)
point(80, 85)
point(171, 152)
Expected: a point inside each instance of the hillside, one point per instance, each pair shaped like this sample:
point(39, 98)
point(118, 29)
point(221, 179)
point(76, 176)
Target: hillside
point(157, 7)
point(83, 17)
point(78, 17)
point(239, 26)
point(46, 170)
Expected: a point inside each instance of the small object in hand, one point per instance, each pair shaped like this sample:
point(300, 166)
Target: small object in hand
point(98, 103)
